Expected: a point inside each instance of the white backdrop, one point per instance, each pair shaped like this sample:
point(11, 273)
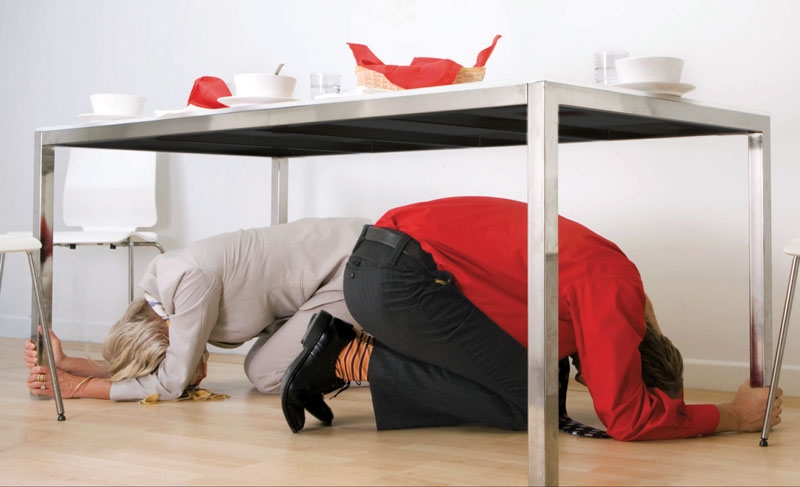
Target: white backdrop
point(678, 208)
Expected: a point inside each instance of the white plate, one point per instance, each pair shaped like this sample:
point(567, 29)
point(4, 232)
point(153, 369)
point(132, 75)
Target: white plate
point(658, 87)
point(103, 117)
point(243, 101)
point(182, 112)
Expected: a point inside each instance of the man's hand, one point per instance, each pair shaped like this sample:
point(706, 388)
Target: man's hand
point(32, 354)
point(746, 411)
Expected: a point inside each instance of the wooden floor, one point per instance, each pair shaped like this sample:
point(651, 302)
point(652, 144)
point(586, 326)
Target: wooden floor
point(244, 440)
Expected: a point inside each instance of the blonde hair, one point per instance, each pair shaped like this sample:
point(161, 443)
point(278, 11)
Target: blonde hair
point(136, 344)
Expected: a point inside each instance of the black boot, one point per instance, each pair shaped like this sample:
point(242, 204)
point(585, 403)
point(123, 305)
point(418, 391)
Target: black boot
point(312, 373)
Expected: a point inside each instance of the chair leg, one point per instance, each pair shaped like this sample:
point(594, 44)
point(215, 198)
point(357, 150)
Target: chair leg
point(776, 366)
point(2, 260)
point(130, 271)
point(48, 346)
point(131, 245)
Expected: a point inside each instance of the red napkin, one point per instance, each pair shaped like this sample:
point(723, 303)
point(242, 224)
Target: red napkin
point(422, 72)
point(206, 91)
point(483, 56)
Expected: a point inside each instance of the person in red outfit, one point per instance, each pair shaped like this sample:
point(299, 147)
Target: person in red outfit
point(440, 288)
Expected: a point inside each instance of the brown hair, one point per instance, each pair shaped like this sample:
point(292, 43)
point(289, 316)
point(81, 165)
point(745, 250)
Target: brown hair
point(662, 364)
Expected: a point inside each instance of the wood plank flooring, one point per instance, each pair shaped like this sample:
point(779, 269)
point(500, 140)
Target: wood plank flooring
point(244, 440)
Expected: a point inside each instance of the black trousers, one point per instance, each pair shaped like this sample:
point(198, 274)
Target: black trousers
point(438, 360)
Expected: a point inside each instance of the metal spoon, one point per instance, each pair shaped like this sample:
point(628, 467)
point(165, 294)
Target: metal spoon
point(278, 69)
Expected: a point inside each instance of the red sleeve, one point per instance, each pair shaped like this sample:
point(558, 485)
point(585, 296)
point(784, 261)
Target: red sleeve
point(608, 319)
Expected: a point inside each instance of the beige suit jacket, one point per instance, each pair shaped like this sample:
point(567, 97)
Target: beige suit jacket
point(231, 288)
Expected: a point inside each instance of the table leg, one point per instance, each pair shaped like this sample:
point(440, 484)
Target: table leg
point(43, 175)
point(542, 286)
point(760, 257)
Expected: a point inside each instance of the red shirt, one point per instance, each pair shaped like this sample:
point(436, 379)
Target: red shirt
point(482, 241)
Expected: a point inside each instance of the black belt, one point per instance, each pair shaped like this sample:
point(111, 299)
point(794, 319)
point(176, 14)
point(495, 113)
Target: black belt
point(394, 239)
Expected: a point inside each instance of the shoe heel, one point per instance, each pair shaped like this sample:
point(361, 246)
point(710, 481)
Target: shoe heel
point(316, 326)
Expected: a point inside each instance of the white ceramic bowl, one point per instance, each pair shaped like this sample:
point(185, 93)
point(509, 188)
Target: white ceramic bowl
point(117, 104)
point(264, 85)
point(649, 69)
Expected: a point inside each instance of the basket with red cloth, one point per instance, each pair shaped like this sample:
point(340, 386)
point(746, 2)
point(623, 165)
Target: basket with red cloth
point(423, 72)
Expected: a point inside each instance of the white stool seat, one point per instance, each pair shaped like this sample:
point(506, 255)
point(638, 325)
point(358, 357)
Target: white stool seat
point(19, 242)
point(793, 247)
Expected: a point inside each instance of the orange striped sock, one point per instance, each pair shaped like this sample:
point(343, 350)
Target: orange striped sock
point(353, 361)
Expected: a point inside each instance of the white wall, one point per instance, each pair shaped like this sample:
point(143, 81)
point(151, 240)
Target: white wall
point(678, 208)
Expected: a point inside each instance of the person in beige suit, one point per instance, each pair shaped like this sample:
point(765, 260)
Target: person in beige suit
point(262, 283)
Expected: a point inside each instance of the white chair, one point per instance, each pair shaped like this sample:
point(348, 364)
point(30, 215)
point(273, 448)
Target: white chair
point(19, 242)
point(110, 194)
point(792, 249)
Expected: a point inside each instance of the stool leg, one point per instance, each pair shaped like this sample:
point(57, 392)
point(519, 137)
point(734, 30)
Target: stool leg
point(48, 346)
point(776, 366)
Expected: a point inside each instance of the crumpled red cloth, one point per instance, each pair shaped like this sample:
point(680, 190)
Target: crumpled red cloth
point(206, 91)
point(422, 72)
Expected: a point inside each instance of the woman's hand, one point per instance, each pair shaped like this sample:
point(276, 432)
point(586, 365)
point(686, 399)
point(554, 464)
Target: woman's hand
point(40, 383)
point(746, 411)
point(76, 366)
point(32, 354)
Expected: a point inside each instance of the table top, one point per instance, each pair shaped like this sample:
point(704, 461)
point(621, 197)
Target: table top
point(463, 116)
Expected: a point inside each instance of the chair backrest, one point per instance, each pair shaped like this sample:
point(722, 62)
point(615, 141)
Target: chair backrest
point(110, 189)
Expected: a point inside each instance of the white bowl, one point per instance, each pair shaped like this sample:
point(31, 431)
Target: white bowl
point(117, 104)
point(649, 69)
point(264, 85)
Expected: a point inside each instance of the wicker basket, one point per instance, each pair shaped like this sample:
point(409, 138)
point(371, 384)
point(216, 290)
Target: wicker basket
point(372, 79)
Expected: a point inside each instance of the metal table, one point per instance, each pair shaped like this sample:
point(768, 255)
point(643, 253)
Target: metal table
point(540, 115)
